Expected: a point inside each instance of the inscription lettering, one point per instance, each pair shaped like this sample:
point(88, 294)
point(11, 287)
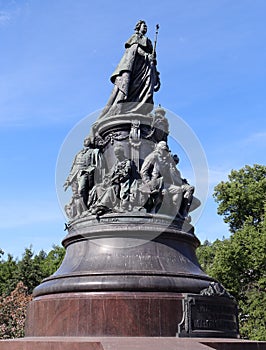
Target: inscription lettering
point(213, 324)
point(213, 316)
point(200, 307)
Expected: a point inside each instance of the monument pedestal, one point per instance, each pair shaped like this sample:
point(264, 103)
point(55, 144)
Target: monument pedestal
point(126, 275)
point(130, 314)
point(136, 252)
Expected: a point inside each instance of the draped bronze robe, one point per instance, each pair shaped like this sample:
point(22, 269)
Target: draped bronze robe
point(134, 79)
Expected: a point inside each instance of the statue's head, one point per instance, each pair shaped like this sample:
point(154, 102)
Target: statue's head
point(119, 150)
point(176, 158)
point(88, 141)
point(162, 147)
point(141, 27)
point(159, 112)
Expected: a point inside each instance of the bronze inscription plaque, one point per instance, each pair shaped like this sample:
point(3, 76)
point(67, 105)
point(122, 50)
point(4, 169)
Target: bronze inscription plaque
point(205, 316)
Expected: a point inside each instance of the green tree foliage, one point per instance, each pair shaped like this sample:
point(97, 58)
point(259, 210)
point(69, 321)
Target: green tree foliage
point(239, 262)
point(206, 253)
point(8, 270)
point(53, 260)
point(243, 197)
point(31, 269)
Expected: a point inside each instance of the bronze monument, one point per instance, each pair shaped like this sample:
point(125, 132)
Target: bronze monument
point(130, 267)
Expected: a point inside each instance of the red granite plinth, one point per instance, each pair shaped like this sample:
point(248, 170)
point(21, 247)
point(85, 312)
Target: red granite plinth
point(126, 314)
point(126, 343)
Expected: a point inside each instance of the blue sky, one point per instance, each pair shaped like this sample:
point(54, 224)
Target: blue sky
point(56, 59)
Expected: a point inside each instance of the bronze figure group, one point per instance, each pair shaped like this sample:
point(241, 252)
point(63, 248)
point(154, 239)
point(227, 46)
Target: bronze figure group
point(116, 171)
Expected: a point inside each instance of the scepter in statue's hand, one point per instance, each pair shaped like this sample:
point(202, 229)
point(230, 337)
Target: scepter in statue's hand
point(155, 41)
point(157, 82)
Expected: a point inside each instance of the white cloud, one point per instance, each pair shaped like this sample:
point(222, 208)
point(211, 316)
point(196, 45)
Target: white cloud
point(256, 138)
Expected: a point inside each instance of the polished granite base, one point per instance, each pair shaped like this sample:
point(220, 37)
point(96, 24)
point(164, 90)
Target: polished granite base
point(128, 343)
